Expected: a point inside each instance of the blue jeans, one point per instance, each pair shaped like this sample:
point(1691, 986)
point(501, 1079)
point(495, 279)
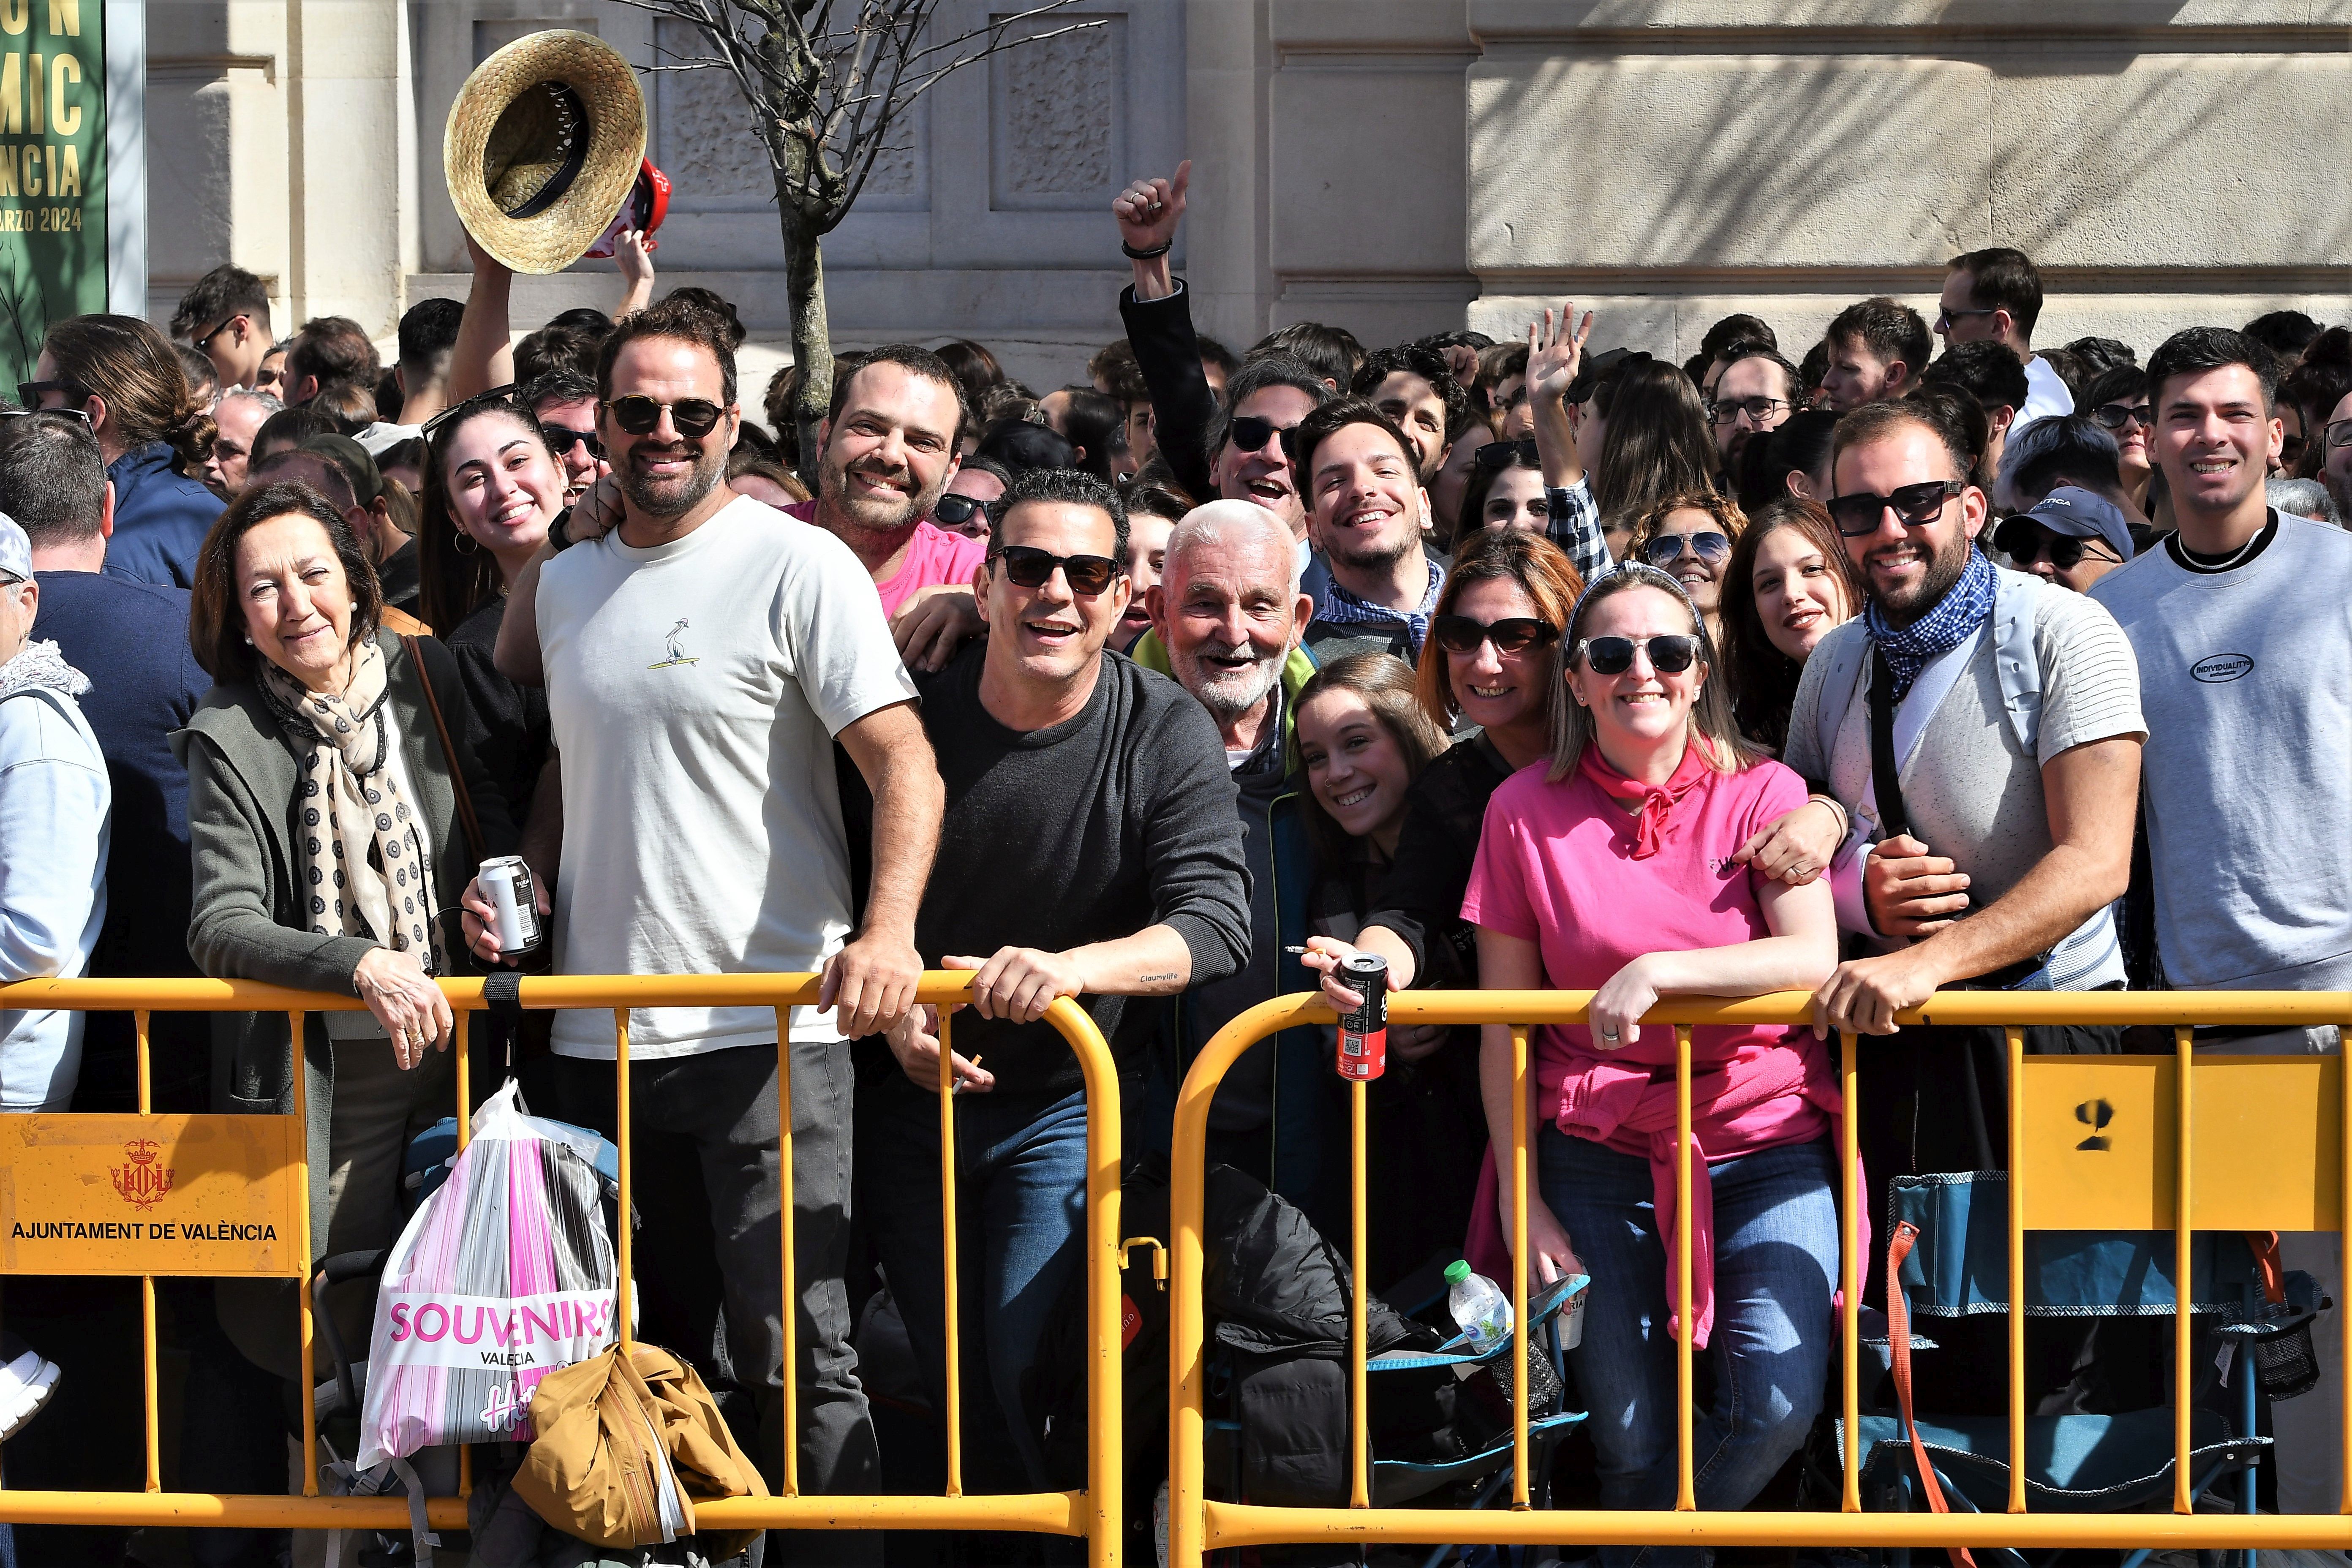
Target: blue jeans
point(1021, 1183)
point(1775, 1241)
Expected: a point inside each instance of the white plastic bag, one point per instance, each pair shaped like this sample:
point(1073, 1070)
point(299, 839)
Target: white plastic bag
point(504, 1275)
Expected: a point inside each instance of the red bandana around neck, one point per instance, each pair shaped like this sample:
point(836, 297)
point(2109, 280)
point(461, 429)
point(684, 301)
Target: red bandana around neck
point(1658, 800)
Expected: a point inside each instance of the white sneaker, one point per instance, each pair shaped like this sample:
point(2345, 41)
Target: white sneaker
point(25, 1384)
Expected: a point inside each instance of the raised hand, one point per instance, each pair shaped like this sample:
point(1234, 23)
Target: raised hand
point(1555, 352)
point(1148, 210)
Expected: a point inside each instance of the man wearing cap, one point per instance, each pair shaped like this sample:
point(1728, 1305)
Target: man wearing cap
point(2073, 539)
point(56, 815)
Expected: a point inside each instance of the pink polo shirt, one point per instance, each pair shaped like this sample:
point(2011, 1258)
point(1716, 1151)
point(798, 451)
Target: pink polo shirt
point(933, 556)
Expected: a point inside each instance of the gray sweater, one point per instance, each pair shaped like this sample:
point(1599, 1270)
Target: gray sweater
point(2246, 676)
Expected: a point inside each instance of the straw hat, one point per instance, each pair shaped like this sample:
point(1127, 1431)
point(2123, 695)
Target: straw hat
point(545, 144)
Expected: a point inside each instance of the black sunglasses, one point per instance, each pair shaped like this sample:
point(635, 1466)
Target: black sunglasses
point(1917, 505)
point(1032, 568)
point(692, 417)
point(1516, 634)
point(456, 411)
point(561, 438)
point(1615, 656)
point(2115, 416)
point(1708, 545)
point(1507, 454)
point(951, 511)
point(1250, 433)
point(2024, 540)
point(80, 413)
point(28, 393)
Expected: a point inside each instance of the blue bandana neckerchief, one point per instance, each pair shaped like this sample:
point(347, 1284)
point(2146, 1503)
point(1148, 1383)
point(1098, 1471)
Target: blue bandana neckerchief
point(1967, 606)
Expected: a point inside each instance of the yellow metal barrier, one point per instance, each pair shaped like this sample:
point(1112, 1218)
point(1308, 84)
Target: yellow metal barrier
point(105, 1165)
point(2267, 1153)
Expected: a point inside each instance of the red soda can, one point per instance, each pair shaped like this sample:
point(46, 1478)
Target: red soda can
point(1364, 1033)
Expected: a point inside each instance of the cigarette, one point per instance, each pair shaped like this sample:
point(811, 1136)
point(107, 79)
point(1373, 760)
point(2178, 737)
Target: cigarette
point(960, 1084)
point(1294, 950)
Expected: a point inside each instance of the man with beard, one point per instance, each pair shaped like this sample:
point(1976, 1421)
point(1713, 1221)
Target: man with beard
point(1366, 510)
point(2337, 471)
point(1755, 390)
point(1227, 617)
point(705, 656)
point(1986, 859)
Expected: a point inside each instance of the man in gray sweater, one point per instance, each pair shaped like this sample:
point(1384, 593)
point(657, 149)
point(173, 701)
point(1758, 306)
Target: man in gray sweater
point(1088, 849)
point(2242, 625)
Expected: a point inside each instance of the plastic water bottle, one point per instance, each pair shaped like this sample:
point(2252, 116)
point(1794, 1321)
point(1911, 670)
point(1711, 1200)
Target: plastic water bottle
point(1484, 1315)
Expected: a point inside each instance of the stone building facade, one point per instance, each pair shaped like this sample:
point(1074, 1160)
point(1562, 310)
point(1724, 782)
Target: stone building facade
point(1395, 166)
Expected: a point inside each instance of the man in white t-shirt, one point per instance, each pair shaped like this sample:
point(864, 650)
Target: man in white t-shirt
point(1995, 295)
point(701, 662)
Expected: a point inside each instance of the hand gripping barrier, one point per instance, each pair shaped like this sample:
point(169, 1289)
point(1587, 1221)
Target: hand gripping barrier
point(2260, 1144)
point(254, 1168)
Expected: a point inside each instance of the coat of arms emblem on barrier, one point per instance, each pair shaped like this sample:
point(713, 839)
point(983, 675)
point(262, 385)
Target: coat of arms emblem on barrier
point(140, 1180)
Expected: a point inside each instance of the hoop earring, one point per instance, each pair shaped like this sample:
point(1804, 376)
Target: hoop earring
point(466, 545)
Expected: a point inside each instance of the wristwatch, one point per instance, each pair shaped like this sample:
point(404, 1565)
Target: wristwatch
point(559, 532)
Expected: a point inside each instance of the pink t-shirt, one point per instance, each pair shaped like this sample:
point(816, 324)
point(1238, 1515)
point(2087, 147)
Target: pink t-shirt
point(933, 556)
point(1555, 867)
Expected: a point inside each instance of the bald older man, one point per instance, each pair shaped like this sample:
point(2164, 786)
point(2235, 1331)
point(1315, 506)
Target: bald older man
point(1227, 619)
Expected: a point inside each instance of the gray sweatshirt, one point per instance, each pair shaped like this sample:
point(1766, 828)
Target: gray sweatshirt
point(2246, 678)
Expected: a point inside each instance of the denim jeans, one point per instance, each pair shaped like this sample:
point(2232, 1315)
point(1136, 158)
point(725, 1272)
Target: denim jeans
point(1776, 1256)
point(1021, 1183)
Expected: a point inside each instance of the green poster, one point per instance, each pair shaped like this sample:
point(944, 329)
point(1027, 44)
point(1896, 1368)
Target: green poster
point(52, 173)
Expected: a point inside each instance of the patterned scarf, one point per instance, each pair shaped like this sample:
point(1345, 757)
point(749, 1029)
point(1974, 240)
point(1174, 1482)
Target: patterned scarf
point(1341, 608)
point(1967, 606)
point(1658, 800)
point(362, 847)
point(41, 664)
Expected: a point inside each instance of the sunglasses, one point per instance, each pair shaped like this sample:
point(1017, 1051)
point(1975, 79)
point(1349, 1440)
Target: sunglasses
point(1460, 634)
point(954, 511)
point(1250, 433)
point(1918, 505)
point(2338, 433)
point(1507, 454)
point(1758, 409)
point(1615, 656)
point(1946, 316)
point(28, 393)
point(1666, 547)
point(1032, 568)
point(561, 438)
point(692, 417)
point(2024, 541)
point(456, 411)
point(80, 413)
point(2115, 416)
point(203, 340)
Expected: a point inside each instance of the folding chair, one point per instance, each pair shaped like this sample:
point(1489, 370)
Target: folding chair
point(1948, 1257)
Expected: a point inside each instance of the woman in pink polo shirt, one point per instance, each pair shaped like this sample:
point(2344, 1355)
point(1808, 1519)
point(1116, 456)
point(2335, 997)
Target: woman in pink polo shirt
point(1610, 867)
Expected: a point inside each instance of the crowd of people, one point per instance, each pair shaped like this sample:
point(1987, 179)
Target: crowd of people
point(1864, 670)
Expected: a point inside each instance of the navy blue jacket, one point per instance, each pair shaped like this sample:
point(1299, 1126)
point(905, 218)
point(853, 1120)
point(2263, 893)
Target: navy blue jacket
point(160, 519)
point(132, 639)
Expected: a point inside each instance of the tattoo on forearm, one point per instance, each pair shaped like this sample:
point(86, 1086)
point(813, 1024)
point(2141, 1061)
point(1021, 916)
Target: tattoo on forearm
point(1148, 979)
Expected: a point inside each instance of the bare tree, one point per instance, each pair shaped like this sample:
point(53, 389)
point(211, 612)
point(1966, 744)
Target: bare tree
point(827, 82)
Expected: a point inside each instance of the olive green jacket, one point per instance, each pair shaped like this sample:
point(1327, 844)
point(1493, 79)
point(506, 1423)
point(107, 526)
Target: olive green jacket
point(250, 923)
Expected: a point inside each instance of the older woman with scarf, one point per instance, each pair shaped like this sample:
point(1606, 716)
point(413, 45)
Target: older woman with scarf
point(1612, 868)
point(337, 812)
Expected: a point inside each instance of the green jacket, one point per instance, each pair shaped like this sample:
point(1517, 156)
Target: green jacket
point(248, 923)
